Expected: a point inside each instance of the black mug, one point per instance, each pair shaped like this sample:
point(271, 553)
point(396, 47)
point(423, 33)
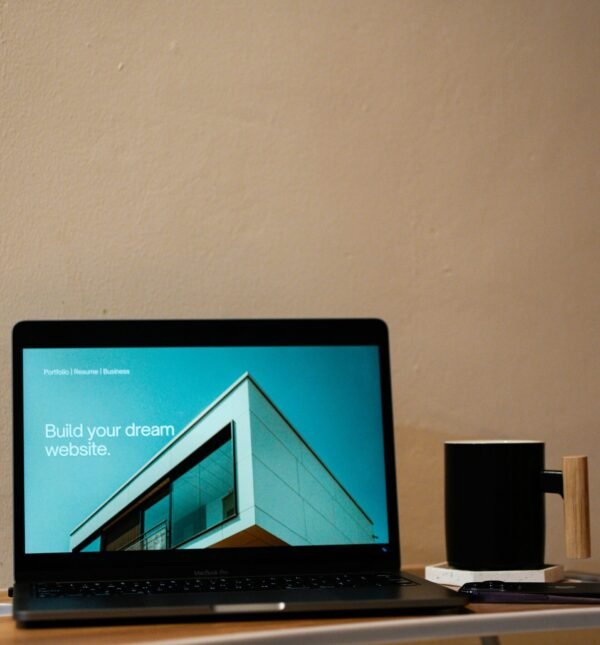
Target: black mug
point(495, 511)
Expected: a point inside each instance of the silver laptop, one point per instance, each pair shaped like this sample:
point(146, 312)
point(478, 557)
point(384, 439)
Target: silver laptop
point(197, 468)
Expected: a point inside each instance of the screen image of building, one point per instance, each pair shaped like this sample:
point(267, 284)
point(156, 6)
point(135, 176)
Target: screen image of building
point(238, 475)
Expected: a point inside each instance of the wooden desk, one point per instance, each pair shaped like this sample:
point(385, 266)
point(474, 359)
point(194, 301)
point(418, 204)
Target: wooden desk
point(485, 620)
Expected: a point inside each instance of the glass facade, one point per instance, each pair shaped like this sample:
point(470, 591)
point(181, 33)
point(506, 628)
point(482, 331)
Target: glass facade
point(196, 496)
point(92, 546)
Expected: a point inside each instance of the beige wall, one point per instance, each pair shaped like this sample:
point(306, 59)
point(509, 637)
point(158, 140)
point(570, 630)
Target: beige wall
point(432, 163)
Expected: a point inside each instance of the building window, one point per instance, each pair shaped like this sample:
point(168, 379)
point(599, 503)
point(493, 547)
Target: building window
point(92, 546)
point(122, 532)
point(196, 496)
point(155, 520)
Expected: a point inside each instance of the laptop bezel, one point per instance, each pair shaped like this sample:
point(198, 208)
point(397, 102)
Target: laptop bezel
point(194, 333)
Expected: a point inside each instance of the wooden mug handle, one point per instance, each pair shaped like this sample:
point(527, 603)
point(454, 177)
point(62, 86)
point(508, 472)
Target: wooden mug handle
point(577, 507)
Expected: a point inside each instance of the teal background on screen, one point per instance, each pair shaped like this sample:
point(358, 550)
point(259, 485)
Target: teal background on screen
point(331, 395)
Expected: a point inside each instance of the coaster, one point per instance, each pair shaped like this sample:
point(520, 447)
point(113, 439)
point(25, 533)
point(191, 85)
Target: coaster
point(444, 574)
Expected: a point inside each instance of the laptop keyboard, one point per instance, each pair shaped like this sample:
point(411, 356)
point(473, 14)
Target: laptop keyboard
point(226, 584)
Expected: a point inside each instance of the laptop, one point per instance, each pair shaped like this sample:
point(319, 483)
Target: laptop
point(167, 469)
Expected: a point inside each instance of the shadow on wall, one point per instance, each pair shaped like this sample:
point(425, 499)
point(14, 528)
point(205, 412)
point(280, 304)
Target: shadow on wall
point(420, 473)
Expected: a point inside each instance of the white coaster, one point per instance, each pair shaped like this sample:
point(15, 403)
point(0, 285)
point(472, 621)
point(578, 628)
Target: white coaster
point(444, 574)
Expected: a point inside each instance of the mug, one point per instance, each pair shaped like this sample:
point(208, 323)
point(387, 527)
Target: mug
point(495, 511)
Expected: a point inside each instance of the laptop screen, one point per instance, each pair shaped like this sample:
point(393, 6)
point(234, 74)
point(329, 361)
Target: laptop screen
point(150, 448)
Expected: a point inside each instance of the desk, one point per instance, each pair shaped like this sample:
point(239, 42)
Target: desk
point(486, 620)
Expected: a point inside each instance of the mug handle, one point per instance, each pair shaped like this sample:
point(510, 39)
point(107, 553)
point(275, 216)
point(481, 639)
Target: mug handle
point(577, 507)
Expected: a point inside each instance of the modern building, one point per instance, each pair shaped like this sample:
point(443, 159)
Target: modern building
point(238, 475)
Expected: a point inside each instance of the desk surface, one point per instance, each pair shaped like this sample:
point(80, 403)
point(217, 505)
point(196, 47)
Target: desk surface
point(485, 620)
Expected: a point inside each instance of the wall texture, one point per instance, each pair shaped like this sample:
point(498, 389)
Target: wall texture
point(433, 163)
